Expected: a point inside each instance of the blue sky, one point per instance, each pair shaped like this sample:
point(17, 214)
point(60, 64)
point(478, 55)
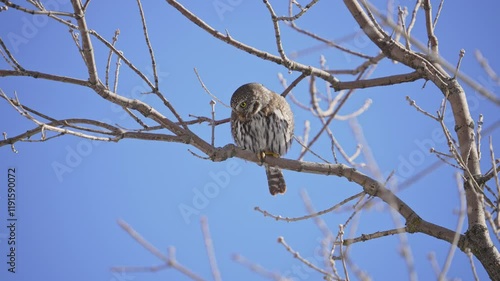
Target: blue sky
point(71, 192)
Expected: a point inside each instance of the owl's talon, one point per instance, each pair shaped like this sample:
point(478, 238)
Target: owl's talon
point(261, 156)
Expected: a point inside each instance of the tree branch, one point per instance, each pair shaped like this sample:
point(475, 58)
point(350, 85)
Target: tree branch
point(382, 81)
point(308, 70)
point(477, 233)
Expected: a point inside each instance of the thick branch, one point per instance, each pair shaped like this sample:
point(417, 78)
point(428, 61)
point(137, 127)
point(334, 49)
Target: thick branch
point(481, 244)
point(414, 222)
point(36, 74)
point(88, 51)
point(382, 81)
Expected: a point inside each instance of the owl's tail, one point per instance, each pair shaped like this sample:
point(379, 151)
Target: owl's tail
point(275, 180)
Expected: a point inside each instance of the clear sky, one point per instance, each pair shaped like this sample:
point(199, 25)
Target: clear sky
point(70, 192)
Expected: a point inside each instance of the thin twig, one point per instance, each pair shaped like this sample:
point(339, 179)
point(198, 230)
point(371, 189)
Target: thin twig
point(296, 66)
point(495, 173)
point(201, 119)
point(378, 234)
point(303, 10)
point(419, 109)
point(207, 90)
point(480, 123)
point(293, 84)
point(148, 43)
point(86, 5)
point(277, 34)
point(438, 13)
point(460, 57)
point(433, 41)
point(328, 43)
point(293, 219)
point(210, 248)
point(33, 12)
point(305, 147)
point(486, 66)
point(45, 126)
point(12, 147)
point(342, 255)
point(296, 255)
point(143, 242)
point(257, 268)
point(458, 230)
point(169, 260)
point(434, 264)
point(332, 116)
point(11, 59)
point(212, 105)
point(108, 62)
point(328, 237)
point(471, 261)
point(305, 136)
point(412, 23)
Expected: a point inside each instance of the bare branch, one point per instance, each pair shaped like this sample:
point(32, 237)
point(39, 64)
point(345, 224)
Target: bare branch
point(313, 215)
point(471, 261)
point(306, 148)
point(257, 268)
point(433, 41)
point(87, 48)
point(11, 60)
point(378, 234)
point(33, 12)
point(208, 91)
point(169, 261)
point(148, 43)
point(212, 105)
point(277, 34)
point(292, 85)
point(296, 255)
point(486, 66)
point(332, 116)
point(329, 43)
point(438, 13)
point(479, 130)
point(460, 57)
point(494, 172)
point(419, 109)
point(342, 255)
point(303, 10)
point(461, 218)
point(210, 248)
point(308, 70)
point(382, 81)
point(108, 63)
point(36, 74)
point(438, 78)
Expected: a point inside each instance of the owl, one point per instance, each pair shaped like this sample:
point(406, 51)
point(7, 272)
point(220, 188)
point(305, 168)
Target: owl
point(262, 122)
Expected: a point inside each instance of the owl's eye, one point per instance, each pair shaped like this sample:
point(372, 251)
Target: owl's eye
point(243, 104)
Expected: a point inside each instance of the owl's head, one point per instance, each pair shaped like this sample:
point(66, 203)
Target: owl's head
point(249, 99)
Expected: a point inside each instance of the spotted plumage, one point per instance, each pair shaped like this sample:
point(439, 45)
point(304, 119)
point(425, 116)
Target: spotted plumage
point(262, 122)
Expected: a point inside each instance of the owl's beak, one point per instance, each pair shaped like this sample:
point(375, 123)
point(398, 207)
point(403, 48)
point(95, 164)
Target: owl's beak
point(244, 115)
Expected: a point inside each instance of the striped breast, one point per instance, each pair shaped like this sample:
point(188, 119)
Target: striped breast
point(261, 133)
